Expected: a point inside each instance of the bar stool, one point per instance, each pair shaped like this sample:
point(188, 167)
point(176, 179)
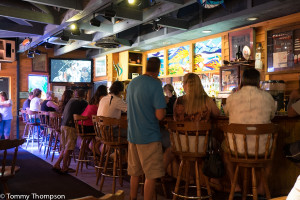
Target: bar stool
point(112, 144)
point(54, 128)
point(44, 122)
point(32, 119)
point(189, 143)
point(250, 146)
point(25, 132)
point(86, 138)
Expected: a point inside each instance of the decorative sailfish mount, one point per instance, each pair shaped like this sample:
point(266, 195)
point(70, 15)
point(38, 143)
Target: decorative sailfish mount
point(118, 69)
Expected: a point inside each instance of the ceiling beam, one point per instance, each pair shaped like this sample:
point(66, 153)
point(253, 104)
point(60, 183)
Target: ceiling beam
point(82, 36)
point(176, 1)
point(28, 15)
point(67, 4)
point(38, 29)
point(43, 8)
point(173, 23)
point(22, 22)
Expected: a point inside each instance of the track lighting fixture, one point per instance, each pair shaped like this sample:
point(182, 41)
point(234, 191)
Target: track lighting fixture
point(155, 26)
point(30, 54)
point(75, 29)
point(95, 21)
point(64, 37)
point(37, 52)
point(48, 45)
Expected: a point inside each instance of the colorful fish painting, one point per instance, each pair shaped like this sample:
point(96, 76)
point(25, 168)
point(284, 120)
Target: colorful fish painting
point(208, 55)
point(160, 55)
point(179, 60)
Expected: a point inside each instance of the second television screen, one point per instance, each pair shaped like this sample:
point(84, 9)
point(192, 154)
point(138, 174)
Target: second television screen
point(64, 70)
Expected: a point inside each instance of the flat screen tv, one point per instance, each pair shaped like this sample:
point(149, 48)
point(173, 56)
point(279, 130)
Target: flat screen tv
point(70, 70)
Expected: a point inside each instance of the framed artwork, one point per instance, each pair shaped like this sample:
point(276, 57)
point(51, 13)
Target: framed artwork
point(100, 66)
point(208, 55)
point(240, 39)
point(39, 63)
point(38, 81)
point(179, 60)
point(160, 55)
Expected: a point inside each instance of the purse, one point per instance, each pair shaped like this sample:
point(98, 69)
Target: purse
point(213, 165)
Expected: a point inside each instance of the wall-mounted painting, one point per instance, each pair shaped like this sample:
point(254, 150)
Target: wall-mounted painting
point(160, 55)
point(208, 55)
point(240, 39)
point(39, 63)
point(100, 66)
point(179, 60)
point(41, 82)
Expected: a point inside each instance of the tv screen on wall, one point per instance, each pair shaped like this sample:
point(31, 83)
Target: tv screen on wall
point(70, 70)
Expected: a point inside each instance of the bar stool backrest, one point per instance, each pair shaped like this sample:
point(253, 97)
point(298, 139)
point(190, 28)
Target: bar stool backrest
point(23, 114)
point(55, 121)
point(253, 143)
point(79, 127)
point(44, 118)
point(32, 117)
point(189, 138)
point(97, 120)
point(111, 130)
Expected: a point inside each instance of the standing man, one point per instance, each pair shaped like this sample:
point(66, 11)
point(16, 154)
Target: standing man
point(26, 104)
point(68, 131)
point(146, 106)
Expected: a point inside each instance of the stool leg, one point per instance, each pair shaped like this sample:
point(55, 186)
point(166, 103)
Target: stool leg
point(80, 157)
point(178, 180)
point(187, 181)
point(234, 183)
point(245, 183)
point(254, 189)
point(120, 157)
point(197, 179)
point(114, 171)
point(28, 136)
point(55, 145)
point(206, 183)
point(105, 168)
point(100, 163)
point(49, 144)
point(265, 183)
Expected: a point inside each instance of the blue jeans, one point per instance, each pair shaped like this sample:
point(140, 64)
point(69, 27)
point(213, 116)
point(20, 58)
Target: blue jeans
point(5, 128)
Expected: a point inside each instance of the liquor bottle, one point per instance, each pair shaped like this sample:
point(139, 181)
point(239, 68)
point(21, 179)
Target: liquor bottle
point(239, 54)
point(258, 61)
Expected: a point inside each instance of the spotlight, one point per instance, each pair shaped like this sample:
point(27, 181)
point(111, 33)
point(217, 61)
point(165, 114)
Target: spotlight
point(155, 26)
point(30, 54)
point(131, 1)
point(75, 29)
point(48, 45)
point(64, 38)
point(95, 21)
point(37, 52)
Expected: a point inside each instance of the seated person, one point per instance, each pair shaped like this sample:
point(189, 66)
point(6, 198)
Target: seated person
point(26, 104)
point(249, 105)
point(295, 192)
point(36, 101)
point(49, 104)
point(170, 98)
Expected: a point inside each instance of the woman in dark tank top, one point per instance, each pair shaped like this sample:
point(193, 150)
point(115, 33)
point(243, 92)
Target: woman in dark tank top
point(49, 104)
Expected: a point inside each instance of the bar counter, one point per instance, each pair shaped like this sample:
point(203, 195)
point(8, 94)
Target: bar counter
point(284, 172)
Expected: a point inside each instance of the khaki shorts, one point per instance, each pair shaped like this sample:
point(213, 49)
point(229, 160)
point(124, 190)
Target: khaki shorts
point(68, 138)
point(146, 159)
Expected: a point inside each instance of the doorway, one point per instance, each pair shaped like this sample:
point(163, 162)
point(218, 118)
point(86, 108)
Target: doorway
point(4, 85)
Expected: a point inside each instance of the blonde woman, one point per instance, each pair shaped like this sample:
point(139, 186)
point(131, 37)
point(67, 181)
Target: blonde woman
point(195, 105)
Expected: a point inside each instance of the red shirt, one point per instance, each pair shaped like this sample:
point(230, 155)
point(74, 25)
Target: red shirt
point(89, 111)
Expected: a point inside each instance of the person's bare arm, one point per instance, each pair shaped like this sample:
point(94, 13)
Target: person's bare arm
point(215, 112)
point(5, 104)
point(53, 105)
point(160, 113)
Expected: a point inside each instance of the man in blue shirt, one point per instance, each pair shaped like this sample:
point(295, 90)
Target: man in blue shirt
point(146, 106)
point(26, 103)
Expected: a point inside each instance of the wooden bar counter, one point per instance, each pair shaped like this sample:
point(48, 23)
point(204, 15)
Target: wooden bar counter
point(283, 173)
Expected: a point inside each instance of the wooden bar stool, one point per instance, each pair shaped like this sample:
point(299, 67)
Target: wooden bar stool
point(44, 122)
point(111, 136)
point(33, 122)
point(86, 138)
point(252, 147)
point(25, 132)
point(189, 143)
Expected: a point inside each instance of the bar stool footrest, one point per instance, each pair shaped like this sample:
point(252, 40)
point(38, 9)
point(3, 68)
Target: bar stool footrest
point(192, 197)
